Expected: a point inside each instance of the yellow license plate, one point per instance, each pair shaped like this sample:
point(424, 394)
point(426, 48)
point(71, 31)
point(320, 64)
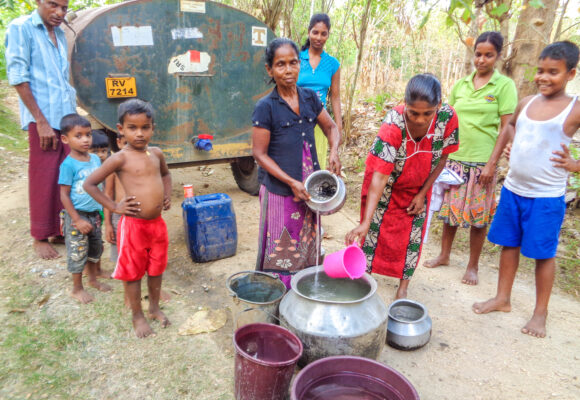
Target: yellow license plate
point(121, 87)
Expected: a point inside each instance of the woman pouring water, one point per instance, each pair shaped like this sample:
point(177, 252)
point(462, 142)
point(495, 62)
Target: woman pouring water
point(283, 145)
point(406, 157)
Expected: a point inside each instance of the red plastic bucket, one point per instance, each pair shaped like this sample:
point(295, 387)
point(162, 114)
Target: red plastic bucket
point(351, 378)
point(266, 356)
point(349, 262)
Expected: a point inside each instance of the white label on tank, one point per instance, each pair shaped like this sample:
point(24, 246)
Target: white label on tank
point(132, 36)
point(192, 6)
point(192, 61)
point(186, 33)
point(259, 36)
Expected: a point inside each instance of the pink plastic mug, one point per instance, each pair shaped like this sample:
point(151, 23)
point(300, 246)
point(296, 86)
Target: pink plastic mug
point(349, 262)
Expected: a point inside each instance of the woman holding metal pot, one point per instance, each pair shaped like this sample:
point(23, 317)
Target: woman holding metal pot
point(406, 157)
point(283, 145)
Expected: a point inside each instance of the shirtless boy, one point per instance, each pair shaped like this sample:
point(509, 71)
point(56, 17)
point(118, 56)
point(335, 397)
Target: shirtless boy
point(531, 210)
point(142, 234)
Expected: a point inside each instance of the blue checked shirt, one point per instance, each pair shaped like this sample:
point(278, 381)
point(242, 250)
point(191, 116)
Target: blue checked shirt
point(32, 57)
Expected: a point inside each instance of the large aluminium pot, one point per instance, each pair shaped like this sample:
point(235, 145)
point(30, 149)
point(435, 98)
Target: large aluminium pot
point(327, 327)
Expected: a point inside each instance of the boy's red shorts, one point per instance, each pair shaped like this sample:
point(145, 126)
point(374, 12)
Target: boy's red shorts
point(142, 245)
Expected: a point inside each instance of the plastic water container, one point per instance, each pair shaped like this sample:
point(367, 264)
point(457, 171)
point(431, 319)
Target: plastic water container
point(210, 227)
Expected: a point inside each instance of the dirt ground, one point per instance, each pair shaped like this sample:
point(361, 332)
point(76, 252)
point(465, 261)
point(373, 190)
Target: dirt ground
point(469, 356)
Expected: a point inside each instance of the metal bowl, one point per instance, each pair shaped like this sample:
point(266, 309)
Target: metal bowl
point(409, 325)
point(327, 192)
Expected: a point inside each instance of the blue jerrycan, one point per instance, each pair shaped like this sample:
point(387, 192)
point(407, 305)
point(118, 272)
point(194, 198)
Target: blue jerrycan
point(210, 227)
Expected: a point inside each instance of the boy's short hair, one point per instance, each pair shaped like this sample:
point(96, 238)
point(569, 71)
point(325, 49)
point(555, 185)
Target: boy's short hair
point(134, 107)
point(563, 50)
point(68, 122)
point(100, 139)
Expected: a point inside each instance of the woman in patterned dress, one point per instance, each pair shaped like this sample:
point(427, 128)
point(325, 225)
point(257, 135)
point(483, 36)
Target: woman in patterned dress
point(283, 145)
point(405, 159)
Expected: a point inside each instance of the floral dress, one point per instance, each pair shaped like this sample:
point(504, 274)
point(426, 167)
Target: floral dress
point(287, 231)
point(393, 243)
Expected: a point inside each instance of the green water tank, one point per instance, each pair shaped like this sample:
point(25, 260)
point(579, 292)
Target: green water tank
point(200, 64)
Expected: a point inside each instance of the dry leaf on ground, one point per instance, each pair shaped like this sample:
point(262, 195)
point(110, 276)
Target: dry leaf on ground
point(203, 321)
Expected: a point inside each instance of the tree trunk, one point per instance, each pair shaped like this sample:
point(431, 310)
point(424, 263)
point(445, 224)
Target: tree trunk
point(473, 30)
point(532, 35)
point(271, 11)
point(363, 32)
point(560, 20)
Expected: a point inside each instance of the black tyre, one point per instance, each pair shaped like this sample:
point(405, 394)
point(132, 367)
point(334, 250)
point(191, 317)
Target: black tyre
point(245, 172)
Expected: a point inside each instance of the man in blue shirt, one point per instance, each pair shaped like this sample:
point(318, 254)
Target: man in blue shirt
point(37, 67)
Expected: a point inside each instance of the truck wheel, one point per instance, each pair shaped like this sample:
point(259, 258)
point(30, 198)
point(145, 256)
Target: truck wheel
point(245, 172)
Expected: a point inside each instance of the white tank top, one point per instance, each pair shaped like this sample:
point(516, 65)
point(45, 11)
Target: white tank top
point(531, 172)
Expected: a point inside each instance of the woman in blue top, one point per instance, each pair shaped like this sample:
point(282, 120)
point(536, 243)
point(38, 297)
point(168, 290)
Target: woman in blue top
point(320, 72)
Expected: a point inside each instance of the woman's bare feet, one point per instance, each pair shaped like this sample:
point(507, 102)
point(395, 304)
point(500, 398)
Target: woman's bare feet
point(103, 287)
point(56, 240)
point(437, 261)
point(45, 250)
point(159, 316)
point(81, 295)
point(536, 326)
point(493, 304)
point(141, 326)
point(401, 294)
point(470, 276)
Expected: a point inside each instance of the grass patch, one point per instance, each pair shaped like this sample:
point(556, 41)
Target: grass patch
point(12, 138)
point(37, 350)
point(36, 357)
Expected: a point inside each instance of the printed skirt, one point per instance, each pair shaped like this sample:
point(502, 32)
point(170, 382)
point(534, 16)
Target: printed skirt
point(469, 204)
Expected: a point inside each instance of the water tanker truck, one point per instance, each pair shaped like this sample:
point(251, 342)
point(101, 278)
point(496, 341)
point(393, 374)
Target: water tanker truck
point(199, 63)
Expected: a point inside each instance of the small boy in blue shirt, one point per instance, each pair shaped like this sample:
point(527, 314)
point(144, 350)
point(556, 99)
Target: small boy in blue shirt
point(82, 218)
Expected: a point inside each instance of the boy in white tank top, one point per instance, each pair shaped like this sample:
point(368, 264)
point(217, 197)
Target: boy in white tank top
point(531, 209)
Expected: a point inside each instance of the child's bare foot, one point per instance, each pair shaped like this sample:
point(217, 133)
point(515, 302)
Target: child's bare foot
point(437, 261)
point(82, 296)
point(470, 277)
point(103, 287)
point(45, 250)
point(141, 326)
point(536, 326)
point(101, 273)
point(493, 304)
point(164, 296)
point(159, 316)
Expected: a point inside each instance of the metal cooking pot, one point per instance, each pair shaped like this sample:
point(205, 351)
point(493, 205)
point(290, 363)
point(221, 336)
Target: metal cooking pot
point(328, 327)
point(255, 297)
point(327, 192)
point(409, 325)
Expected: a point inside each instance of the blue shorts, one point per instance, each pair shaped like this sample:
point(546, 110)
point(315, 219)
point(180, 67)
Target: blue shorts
point(530, 223)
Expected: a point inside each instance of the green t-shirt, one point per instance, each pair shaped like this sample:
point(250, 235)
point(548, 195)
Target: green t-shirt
point(479, 113)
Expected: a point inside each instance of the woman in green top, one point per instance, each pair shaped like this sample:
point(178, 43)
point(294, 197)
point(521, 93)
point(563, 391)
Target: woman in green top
point(484, 101)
